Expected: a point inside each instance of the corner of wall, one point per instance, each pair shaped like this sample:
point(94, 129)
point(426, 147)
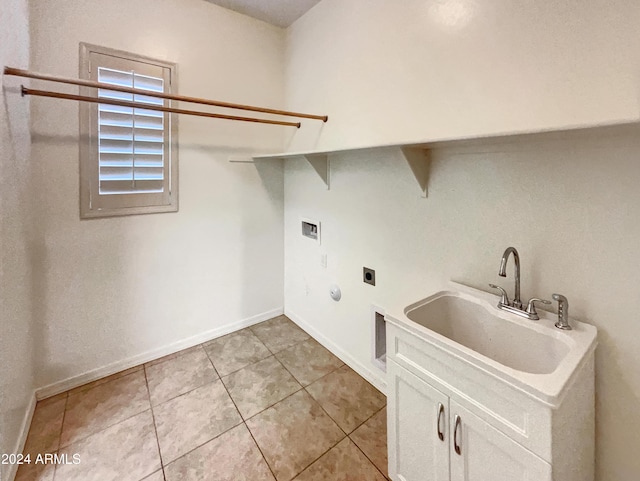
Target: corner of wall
point(17, 398)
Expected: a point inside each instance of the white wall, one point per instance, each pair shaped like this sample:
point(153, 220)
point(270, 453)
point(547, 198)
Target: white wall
point(117, 290)
point(17, 269)
point(571, 209)
point(389, 72)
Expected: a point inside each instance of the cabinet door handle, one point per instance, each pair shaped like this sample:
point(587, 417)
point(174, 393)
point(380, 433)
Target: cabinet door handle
point(456, 446)
point(440, 413)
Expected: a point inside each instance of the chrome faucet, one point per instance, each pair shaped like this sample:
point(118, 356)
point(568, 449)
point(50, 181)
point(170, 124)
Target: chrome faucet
point(517, 302)
point(515, 306)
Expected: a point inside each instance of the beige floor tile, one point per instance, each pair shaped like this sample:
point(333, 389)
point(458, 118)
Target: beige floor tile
point(46, 426)
point(179, 375)
point(345, 462)
point(127, 451)
point(232, 456)
point(308, 361)
point(347, 397)
point(173, 356)
point(118, 375)
point(235, 351)
point(279, 333)
point(103, 406)
point(371, 438)
point(294, 433)
point(43, 438)
point(190, 420)
point(35, 472)
point(259, 386)
point(157, 476)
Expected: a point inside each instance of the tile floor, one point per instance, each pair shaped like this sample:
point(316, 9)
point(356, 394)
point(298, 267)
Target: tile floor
point(264, 403)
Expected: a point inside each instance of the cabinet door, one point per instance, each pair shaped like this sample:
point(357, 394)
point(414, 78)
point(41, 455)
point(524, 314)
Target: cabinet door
point(416, 452)
point(487, 454)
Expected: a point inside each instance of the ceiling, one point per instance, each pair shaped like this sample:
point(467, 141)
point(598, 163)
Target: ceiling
point(281, 13)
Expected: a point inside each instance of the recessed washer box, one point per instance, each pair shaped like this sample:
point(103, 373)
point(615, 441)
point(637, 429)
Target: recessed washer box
point(311, 229)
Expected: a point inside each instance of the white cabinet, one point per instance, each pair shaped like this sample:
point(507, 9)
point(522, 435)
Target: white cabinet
point(484, 453)
point(419, 425)
point(434, 438)
point(437, 401)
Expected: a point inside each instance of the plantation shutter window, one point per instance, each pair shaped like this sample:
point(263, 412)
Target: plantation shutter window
point(131, 142)
point(129, 163)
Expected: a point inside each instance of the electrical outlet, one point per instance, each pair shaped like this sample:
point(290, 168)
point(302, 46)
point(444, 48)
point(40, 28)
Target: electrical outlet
point(369, 276)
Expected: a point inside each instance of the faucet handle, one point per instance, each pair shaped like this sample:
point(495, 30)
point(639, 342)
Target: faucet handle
point(504, 299)
point(563, 312)
point(531, 307)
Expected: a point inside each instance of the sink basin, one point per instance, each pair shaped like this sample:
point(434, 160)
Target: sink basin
point(464, 324)
point(471, 324)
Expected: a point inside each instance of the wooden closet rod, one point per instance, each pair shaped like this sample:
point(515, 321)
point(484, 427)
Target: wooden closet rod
point(138, 105)
point(90, 83)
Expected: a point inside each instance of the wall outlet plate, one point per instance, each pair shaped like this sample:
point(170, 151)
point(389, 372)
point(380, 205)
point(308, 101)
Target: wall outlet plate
point(369, 276)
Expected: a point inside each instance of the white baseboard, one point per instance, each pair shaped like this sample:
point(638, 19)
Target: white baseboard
point(22, 439)
point(375, 378)
point(75, 381)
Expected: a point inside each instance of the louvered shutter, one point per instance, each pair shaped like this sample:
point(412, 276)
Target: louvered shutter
point(130, 141)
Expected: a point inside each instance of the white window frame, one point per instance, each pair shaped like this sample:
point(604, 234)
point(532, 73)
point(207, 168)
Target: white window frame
point(92, 203)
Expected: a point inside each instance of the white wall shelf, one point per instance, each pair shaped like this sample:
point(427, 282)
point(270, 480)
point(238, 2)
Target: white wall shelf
point(418, 159)
point(417, 154)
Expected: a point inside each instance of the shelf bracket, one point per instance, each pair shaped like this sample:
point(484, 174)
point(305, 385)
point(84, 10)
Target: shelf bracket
point(419, 160)
point(322, 166)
